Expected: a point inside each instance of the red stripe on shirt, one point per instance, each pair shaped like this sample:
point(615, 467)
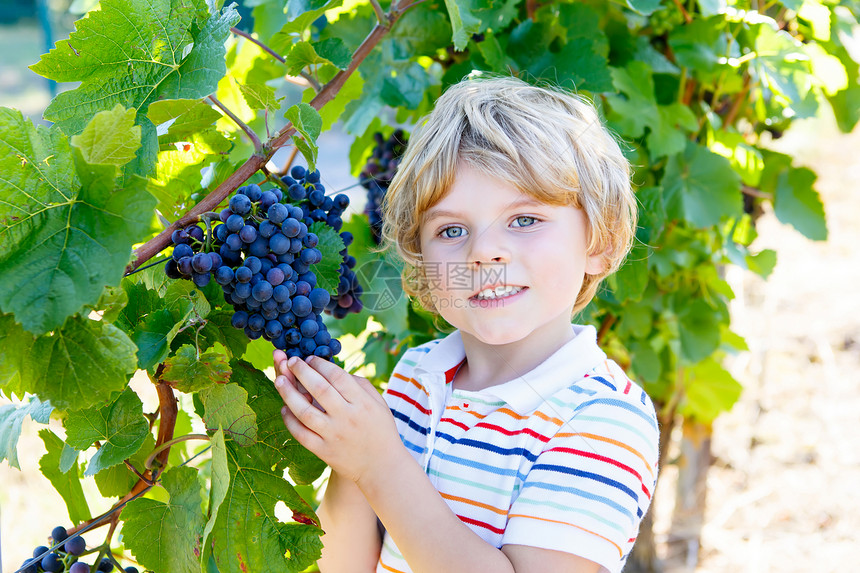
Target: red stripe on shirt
point(406, 398)
point(465, 519)
point(506, 432)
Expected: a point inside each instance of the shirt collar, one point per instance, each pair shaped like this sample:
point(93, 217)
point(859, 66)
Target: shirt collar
point(526, 392)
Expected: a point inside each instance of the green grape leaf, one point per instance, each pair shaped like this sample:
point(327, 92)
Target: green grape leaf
point(702, 187)
point(699, 330)
point(118, 480)
point(11, 419)
point(797, 203)
point(218, 330)
point(308, 124)
point(329, 51)
point(631, 279)
point(226, 407)
point(260, 96)
point(66, 228)
point(166, 536)
point(80, 364)
point(330, 244)
point(17, 344)
point(709, 390)
point(111, 303)
point(119, 426)
point(275, 448)
point(67, 484)
point(301, 14)
point(190, 371)
point(133, 53)
point(188, 116)
point(644, 7)
point(111, 137)
point(420, 31)
point(259, 354)
point(700, 45)
point(153, 337)
point(247, 535)
point(141, 302)
point(218, 491)
point(464, 21)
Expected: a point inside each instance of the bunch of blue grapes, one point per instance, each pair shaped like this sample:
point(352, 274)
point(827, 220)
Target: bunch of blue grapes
point(262, 255)
point(349, 290)
point(377, 175)
point(65, 558)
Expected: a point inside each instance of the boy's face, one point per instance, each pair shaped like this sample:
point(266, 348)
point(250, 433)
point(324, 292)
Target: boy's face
point(486, 233)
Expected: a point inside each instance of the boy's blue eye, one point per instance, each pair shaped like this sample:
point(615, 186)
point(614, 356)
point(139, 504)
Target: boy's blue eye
point(532, 219)
point(443, 232)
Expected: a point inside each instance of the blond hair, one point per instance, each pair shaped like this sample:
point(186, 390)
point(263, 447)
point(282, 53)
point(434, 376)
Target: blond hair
point(549, 144)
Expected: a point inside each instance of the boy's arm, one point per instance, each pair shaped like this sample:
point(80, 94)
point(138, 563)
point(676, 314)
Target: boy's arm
point(432, 538)
point(351, 541)
point(355, 434)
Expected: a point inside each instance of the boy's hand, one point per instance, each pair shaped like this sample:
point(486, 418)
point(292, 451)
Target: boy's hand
point(339, 417)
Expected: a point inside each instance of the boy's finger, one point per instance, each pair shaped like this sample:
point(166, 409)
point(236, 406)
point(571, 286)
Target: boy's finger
point(317, 385)
point(302, 408)
point(342, 380)
point(305, 436)
point(281, 381)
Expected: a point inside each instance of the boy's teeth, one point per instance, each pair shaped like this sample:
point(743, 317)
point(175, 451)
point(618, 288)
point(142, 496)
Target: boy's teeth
point(497, 292)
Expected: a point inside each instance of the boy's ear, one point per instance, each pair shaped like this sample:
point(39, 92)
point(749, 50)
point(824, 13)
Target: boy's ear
point(595, 264)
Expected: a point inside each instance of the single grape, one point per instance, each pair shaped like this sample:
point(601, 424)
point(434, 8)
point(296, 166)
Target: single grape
point(274, 328)
point(297, 192)
point(248, 234)
point(260, 247)
point(201, 263)
point(253, 263)
point(79, 567)
point(277, 213)
point(40, 551)
point(309, 327)
point(234, 242)
point(313, 176)
point(106, 565)
point(293, 336)
point(253, 192)
point(267, 228)
point(262, 291)
point(322, 337)
point(224, 275)
point(335, 346)
point(323, 352)
point(298, 172)
point(291, 227)
point(242, 290)
point(319, 297)
point(52, 563)
point(181, 251)
point(267, 200)
point(76, 545)
point(179, 236)
point(29, 566)
point(301, 306)
point(195, 233)
point(59, 533)
point(235, 223)
point(200, 279)
point(240, 204)
point(256, 322)
point(131, 569)
point(341, 201)
point(239, 319)
point(303, 288)
point(279, 244)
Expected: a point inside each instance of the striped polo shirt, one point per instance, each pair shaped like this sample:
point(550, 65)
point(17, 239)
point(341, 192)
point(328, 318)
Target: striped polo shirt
point(562, 457)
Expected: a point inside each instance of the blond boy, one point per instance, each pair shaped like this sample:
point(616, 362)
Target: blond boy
point(512, 444)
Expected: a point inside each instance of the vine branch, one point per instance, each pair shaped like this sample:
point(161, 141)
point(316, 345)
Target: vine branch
point(258, 147)
point(257, 160)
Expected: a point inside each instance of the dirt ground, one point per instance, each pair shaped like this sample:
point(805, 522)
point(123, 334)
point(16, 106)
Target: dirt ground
point(786, 458)
point(782, 491)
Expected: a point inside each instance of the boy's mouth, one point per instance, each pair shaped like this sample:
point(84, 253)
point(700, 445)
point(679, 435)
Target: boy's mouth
point(497, 292)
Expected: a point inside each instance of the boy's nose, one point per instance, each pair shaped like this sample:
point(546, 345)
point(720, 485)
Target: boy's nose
point(488, 247)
